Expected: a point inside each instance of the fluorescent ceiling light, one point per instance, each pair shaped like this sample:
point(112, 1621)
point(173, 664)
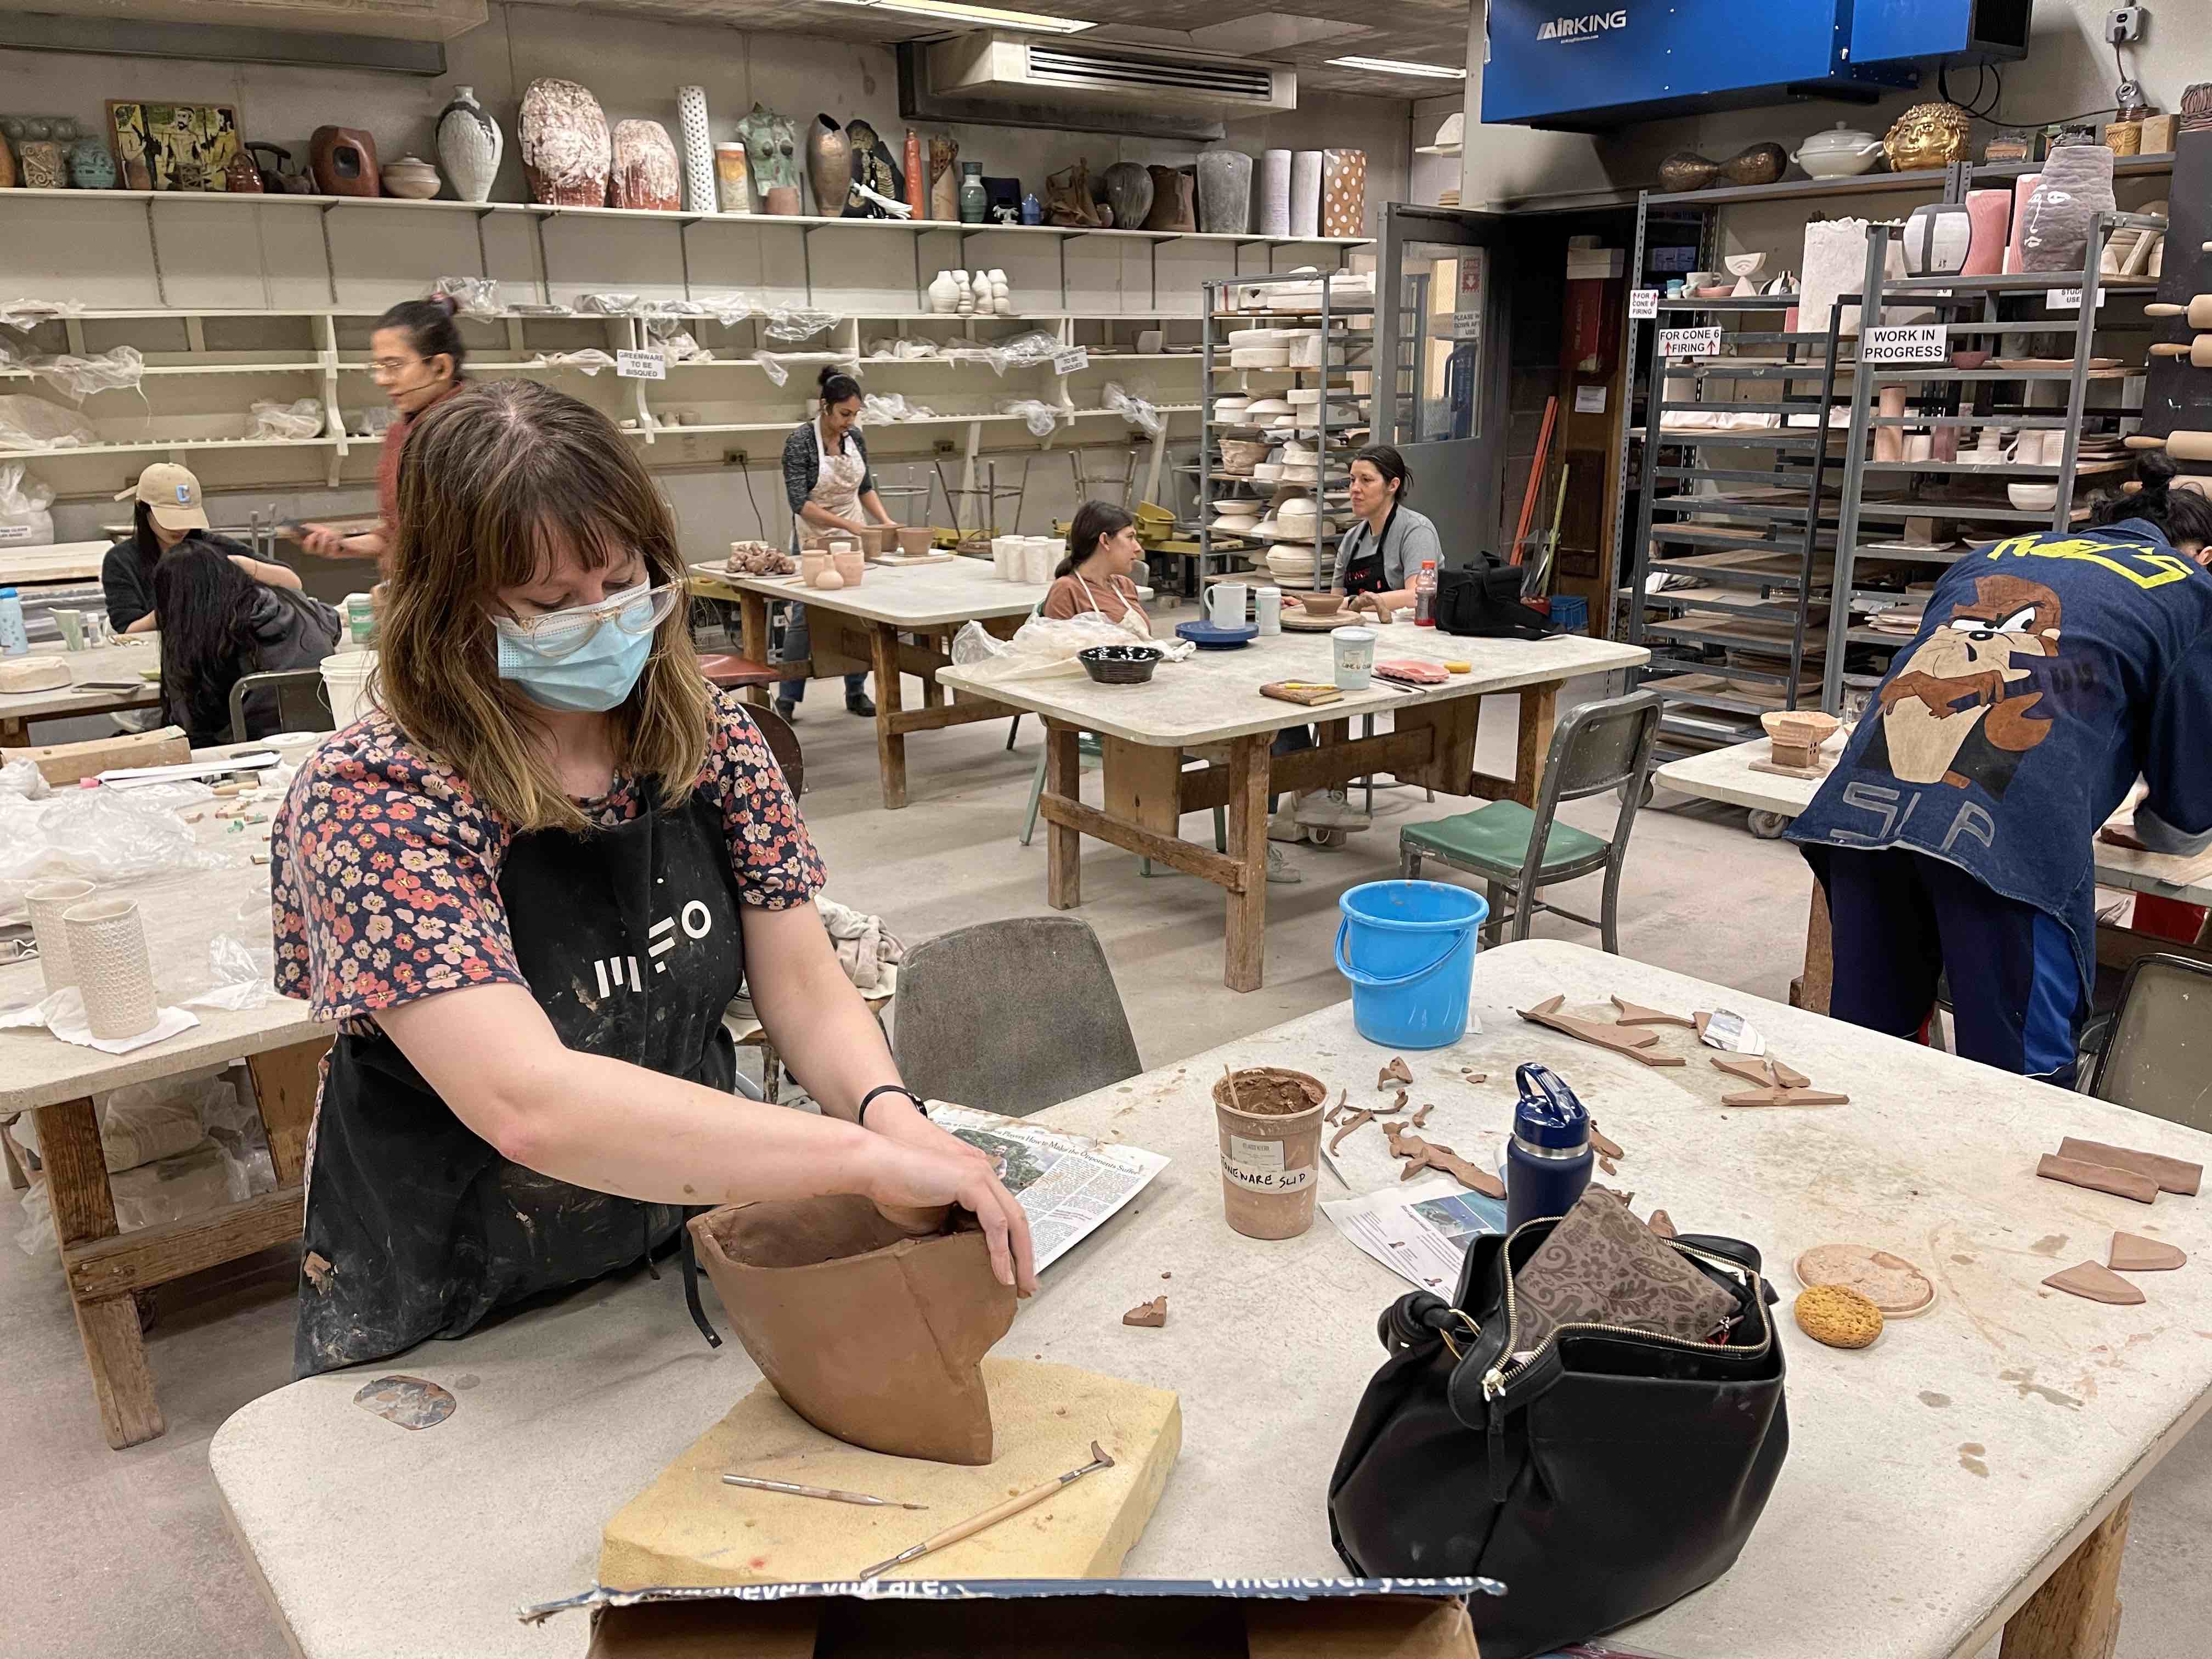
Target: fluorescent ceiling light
point(993, 15)
point(1400, 66)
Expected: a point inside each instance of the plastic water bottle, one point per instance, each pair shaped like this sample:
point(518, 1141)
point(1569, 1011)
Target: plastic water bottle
point(1425, 595)
point(1548, 1160)
point(14, 640)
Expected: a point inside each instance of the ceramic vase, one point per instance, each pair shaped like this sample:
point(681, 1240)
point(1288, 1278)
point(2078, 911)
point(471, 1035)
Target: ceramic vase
point(2024, 190)
point(1937, 239)
point(975, 200)
point(343, 160)
point(567, 150)
point(470, 143)
point(943, 178)
point(114, 970)
point(1032, 210)
point(828, 167)
point(241, 177)
point(732, 193)
point(1127, 189)
point(6, 161)
point(1275, 193)
point(1889, 440)
point(849, 561)
point(47, 902)
point(1174, 201)
point(772, 159)
point(917, 178)
point(1305, 193)
point(411, 179)
point(943, 297)
point(647, 175)
point(813, 561)
point(2077, 185)
point(1344, 192)
point(1990, 212)
point(1224, 193)
point(91, 166)
point(700, 191)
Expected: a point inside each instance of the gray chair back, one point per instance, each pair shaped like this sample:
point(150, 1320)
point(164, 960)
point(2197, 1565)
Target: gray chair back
point(302, 705)
point(1011, 1017)
point(1601, 746)
point(2155, 1058)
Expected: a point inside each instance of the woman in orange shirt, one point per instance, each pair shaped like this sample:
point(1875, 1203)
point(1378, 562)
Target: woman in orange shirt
point(1094, 577)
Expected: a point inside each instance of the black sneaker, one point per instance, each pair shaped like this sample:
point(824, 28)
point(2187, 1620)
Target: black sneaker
point(858, 704)
point(788, 709)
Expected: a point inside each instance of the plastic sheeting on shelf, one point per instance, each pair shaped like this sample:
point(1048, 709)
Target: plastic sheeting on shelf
point(118, 370)
point(25, 314)
point(1133, 410)
point(778, 363)
point(1044, 418)
point(590, 361)
point(1035, 347)
point(879, 407)
point(476, 295)
point(33, 424)
point(783, 322)
point(605, 305)
point(302, 418)
point(24, 519)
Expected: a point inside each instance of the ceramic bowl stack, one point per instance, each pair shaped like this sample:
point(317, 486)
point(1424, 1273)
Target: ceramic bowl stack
point(1236, 517)
point(1300, 464)
point(1267, 412)
point(1261, 348)
point(1230, 410)
point(1292, 565)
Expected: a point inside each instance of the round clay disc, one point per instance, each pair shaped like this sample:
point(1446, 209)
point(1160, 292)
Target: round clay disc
point(1838, 1316)
point(1890, 1282)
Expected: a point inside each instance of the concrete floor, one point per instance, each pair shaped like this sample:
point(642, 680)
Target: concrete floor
point(126, 1552)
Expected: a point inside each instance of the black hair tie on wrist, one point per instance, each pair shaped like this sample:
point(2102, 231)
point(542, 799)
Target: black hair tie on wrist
point(867, 1100)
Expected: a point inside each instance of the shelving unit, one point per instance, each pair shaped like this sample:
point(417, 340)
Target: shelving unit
point(1342, 324)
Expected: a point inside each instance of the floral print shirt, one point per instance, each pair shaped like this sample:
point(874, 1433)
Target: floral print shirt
point(384, 869)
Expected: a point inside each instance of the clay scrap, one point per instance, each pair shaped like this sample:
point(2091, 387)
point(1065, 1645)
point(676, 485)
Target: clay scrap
point(1395, 1072)
point(2098, 1178)
point(1890, 1282)
point(1343, 1103)
point(1356, 1120)
point(2131, 1253)
point(1425, 1155)
point(1634, 1044)
point(1632, 1014)
point(1604, 1145)
point(1149, 1315)
point(1467, 1074)
point(2097, 1284)
point(2171, 1175)
point(1779, 1085)
point(1662, 1223)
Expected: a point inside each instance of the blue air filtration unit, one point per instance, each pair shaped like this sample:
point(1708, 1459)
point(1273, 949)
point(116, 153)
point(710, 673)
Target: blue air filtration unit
point(1591, 70)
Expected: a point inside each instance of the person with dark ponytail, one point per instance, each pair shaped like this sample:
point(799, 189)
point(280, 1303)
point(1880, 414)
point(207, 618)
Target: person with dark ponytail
point(828, 485)
point(1094, 577)
point(416, 356)
point(1953, 837)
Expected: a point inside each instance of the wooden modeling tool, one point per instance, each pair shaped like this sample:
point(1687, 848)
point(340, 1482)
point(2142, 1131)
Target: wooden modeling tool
point(1631, 1014)
point(1778, 1084)
point(2182, 446)
point(2198, 311)
point(791, 1489)
point(992, 1516)
point(2198, 351)
point(1632, 1043)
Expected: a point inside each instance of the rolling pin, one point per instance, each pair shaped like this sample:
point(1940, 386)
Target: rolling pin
point(2182, 446)
point(2198, 351)
point(2198, 311)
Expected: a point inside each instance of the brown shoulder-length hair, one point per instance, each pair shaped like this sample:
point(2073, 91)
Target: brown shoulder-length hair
point(491, 480)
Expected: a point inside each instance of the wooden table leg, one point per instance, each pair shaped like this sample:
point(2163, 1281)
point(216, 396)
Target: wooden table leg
point(84, 1212)
point(1538, 708)
point(932, 694)
point(17, 1178)
point(286, 1083)
point(890, 746)
point(1063, 772)
point(2076, 1614)
point(1818, 982)
point(752, 628)
point(1247, 845)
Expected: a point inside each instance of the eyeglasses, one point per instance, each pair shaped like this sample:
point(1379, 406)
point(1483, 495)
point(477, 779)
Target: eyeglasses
point(392, 365)
point(563, 633)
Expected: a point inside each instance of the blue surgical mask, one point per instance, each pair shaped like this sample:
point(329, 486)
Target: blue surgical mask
point(589, 677)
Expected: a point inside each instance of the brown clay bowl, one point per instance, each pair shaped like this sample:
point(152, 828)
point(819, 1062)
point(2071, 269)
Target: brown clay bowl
point(912, 541)
point(1322, 604)
point(875, 540)
point(1964, 361)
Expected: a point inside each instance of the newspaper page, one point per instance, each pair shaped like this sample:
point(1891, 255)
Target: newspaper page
point(1067, 1184)
point(1420, 1231)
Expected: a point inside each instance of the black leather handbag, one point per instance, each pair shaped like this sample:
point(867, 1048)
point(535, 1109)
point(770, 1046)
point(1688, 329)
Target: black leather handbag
point(1600, 1477)
point(1485, 604)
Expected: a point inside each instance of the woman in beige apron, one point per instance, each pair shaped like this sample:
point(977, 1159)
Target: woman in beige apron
point(829, 487)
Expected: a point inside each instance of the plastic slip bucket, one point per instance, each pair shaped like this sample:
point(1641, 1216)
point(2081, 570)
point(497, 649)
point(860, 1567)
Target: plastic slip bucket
point(1408, 949)
point(345, 682)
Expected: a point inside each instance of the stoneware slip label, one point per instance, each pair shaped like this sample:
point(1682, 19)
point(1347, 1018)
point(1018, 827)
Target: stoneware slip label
point(1690, 342)
point(639, 366)
point(1920, 343)
point(1266, 1181)
point(1643, 304)
point(1256, 1154)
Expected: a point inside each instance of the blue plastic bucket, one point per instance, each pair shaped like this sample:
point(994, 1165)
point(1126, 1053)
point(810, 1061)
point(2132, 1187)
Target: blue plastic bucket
point(1408, 949)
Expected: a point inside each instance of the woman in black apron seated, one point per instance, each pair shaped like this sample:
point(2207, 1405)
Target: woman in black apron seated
point(528, 890)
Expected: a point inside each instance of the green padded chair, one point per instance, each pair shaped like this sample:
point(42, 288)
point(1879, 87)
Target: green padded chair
point(1600, 747)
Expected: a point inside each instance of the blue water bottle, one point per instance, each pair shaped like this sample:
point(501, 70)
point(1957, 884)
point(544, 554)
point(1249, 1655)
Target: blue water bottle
point(14, 640)
point(1547, 1161)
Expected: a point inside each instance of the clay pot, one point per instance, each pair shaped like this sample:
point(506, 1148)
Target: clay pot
point(1175, 195)
point(344, 160)
point(912, 543)
point(944, 179)
point(240, 177)
point(870, 1335)
point(411, 178)
point(1270, 1149)
point(876, 540)
point(470, 143)
point(92, 167)
point(646, 174)
point(813, 561)
point(1127, 187)
point(1322, 604)
point(1224, 192)
point(1067, 197)
point(850, 562)
point(828, 167)
point(566, 151)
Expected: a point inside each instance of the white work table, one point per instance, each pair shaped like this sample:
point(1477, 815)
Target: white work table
point(909, 597)
point(129, 659)
point(56, 561)
point(1211, 701)
point(1882, 1535)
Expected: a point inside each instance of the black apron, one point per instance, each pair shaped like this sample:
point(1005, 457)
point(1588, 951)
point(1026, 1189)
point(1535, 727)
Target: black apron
point(1365, 573)
point(629, 939)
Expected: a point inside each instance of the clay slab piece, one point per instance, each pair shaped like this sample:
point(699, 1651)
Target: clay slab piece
point(410, 1401)
point(1662, 1223)
point(2097, 1284)
point(1630, 1043)
point(1779, 1085)
point(1425, 1155)
point(2098, 1178)
point(1632, 1014)
point(1422, 1116)
point(1354, 1122)
point(682, 1528)
point(1604, 1145)
point(871, 1335)
point(1890, 1282)
point(1467, 1075)
point(2171, 1175)
point(2131, 1253)
point(1151, 1315)
point(1395, 1072)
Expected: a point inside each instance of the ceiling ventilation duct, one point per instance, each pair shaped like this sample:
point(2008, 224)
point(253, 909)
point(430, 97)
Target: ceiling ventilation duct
point(1016, 79)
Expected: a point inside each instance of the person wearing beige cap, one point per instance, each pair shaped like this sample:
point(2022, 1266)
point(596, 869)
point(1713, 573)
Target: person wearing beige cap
point(169, 512)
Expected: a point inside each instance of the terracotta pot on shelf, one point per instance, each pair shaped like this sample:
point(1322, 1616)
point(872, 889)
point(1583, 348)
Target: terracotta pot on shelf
point(344, 161)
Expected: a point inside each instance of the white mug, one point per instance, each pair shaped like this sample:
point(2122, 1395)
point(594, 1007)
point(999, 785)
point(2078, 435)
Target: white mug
point(1919, 446)
point(1355, 658)
point(1268, 610)
point(1225, 603)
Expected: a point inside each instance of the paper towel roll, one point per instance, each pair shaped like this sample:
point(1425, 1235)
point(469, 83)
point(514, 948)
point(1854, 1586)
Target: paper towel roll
point(1275, 193)
point(1305, 193)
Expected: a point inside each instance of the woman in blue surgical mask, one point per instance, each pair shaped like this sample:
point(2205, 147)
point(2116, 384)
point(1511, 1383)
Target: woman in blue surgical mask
point(526, 886)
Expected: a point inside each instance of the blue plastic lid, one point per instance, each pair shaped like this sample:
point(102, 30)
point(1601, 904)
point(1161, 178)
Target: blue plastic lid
point(1548, 1114)
point(7, 593)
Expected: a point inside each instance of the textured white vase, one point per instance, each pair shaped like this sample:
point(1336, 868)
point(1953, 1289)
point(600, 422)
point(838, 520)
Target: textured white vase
point(47, 902)
point(1305, 193)
point(114, 970)
point(699, 193)
point(470, 144)
point(1275, 193)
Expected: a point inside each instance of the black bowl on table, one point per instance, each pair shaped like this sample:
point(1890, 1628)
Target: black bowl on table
point(1119, 665)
